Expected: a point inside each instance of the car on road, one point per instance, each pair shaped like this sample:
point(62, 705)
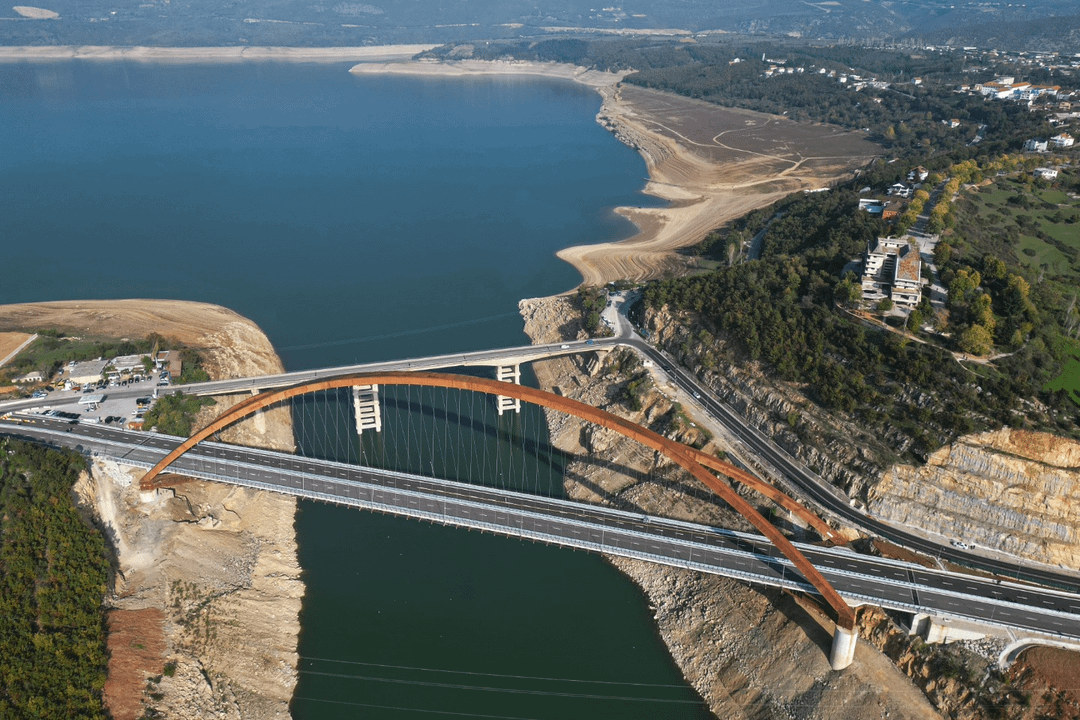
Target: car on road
point(960, 544)
point(564, 347)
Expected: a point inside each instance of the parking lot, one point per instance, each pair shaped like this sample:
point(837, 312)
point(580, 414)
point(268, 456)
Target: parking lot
point(93, 404)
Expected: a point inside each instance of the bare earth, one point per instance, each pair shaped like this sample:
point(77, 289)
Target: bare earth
point(35, 13)
point(10, 342)
point(712, 164)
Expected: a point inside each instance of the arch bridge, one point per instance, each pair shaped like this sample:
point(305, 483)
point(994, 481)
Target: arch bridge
point(370, 398)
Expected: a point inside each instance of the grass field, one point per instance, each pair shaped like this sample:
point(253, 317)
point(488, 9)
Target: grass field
point(1069, 379)
point(1044, 224)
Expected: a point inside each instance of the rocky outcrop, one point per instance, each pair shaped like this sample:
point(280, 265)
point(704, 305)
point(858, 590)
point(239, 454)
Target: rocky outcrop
point(1010, 490)
point(749, 653)
point(842, 452)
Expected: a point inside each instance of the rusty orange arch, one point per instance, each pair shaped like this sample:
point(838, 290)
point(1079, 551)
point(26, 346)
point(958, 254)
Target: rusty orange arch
point(688, 458)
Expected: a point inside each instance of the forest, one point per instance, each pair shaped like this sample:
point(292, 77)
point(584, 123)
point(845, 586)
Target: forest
point(785, 311)
point(53, 576)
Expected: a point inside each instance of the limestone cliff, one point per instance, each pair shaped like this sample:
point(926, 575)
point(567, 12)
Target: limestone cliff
point(842, 452)
point(1010, 490)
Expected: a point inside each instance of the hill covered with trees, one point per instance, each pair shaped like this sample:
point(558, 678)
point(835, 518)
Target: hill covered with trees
point(53, 574)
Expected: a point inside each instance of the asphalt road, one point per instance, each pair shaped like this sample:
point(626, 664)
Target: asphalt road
point(819, 491)
point(888, 583)
point(810, 485)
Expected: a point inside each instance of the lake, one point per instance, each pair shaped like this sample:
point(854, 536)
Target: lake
point(356, 219)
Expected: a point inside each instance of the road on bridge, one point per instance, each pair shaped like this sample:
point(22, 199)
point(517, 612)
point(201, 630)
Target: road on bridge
point(888, 583)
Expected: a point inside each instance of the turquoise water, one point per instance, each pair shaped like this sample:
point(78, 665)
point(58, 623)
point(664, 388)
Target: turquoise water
point(355, 219)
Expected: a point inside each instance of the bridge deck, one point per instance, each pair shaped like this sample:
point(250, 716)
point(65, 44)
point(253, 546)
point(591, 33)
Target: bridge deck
point(860, 579)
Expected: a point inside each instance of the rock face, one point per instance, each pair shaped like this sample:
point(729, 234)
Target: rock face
point(214, 564)
point(842, 452)
point(749, 653)
point(1010, 490)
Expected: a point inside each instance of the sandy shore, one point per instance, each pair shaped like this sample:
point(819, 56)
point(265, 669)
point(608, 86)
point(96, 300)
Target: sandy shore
point(702, 196)
point(465, 68)
point(375, 53)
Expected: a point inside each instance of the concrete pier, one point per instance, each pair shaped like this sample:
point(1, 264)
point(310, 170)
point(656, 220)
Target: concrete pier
point(510, 374)
point(843, 648)
point(366, 407)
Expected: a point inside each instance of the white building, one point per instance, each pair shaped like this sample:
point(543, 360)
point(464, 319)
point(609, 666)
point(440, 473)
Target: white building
point(1063, 140)
point(1044, 173)
point(1036, 145)
point(892, 268)
point(84, 372)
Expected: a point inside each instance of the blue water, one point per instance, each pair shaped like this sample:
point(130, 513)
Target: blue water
point(353, 218)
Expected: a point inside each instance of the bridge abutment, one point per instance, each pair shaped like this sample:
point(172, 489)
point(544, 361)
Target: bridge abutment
point(843, 648)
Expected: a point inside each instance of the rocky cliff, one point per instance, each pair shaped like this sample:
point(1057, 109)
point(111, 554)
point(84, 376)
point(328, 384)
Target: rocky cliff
point(840, 451)
point(751, 653)
point(205, 604)
point(1010, 490)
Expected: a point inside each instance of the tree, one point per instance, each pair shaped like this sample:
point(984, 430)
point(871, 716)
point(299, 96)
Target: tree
point(885, 305)
point(976, 340)
point(848, 292)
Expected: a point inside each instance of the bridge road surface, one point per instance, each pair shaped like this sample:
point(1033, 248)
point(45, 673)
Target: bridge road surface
point(860, 579)
point(806, 483)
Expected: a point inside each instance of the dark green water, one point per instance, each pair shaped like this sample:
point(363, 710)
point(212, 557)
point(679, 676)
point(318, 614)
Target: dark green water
point(354, 219)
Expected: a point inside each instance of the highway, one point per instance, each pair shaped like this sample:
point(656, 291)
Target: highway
point(818, 491)
point(801, 480)
point(860, 579)
point(483, 358)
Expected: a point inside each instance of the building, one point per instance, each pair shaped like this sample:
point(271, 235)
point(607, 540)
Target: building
point(1062, 140)
point(1036, 145)
point(169, 360)
point(892, 268)
point(1044, 173)
point(919, 174)
point(90, 371)
point(899, 190)
point(125, 364)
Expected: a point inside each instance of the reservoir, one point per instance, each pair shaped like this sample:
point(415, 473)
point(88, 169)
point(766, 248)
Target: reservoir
point(356, 219)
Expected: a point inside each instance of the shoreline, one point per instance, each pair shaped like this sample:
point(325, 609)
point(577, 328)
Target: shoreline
point(698, 203)
point(373, 53)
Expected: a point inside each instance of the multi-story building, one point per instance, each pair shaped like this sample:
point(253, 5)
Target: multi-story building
point(892, 268)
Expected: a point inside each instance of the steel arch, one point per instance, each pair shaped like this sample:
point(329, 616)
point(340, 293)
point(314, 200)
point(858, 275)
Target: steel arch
point(688, 458)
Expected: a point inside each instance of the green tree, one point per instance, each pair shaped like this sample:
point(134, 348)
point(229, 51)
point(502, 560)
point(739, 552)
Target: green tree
point(976, 340)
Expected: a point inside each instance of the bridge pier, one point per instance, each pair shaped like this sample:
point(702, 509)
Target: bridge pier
point(843, 648)
point(366, 407)
point(510, 374)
